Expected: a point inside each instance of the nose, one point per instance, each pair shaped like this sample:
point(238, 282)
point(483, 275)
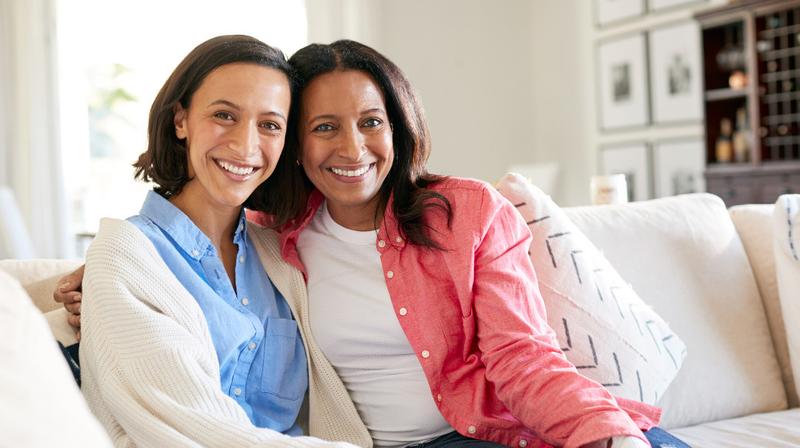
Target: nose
point(244, 139)
point(352, 146)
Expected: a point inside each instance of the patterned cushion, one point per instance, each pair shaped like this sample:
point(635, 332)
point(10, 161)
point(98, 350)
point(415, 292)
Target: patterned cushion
point(604, 328)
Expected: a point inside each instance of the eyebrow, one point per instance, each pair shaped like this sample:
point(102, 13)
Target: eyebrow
point(234, 106)
point(331, 116)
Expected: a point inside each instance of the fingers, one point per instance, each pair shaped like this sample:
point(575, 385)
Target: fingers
point(74, 307)
point(68, 285)
point(74, 320)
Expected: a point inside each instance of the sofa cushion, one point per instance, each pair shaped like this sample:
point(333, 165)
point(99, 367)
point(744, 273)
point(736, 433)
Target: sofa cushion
point(771, 429)
point(39, 278)
point(754, 225)
point(603, 327)
point(683, 256)
point(786, 246)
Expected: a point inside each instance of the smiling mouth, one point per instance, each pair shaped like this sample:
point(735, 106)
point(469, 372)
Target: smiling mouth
point(351, 172)
point(239, 170)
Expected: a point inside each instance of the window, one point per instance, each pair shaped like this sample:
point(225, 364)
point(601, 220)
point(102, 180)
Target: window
point(113, 58)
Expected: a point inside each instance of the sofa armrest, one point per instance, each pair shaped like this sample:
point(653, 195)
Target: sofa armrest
point(39, 278)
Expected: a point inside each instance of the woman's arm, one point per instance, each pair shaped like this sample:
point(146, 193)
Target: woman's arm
point(532, 376)
point(150, 372)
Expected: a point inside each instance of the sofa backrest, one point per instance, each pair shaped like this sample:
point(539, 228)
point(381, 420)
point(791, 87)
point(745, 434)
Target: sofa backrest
point(39, 278)
point(754, 224)
point(684, 257)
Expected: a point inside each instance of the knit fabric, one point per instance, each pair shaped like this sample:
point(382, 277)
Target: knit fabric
point(150, 372)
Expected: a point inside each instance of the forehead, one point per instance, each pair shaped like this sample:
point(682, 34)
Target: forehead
point(243, 77)
point(342, 89)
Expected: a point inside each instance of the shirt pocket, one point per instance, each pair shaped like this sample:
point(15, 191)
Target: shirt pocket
point(284, 373)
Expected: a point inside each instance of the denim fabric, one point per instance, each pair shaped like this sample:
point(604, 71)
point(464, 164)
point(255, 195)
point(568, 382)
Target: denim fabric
point(659, 438)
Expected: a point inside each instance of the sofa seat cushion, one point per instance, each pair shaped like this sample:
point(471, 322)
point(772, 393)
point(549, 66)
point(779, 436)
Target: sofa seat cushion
point(685, 259)
point(772, 429)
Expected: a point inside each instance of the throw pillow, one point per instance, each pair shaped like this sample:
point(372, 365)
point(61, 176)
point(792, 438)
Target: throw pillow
point(786, 246)
point(604, 328)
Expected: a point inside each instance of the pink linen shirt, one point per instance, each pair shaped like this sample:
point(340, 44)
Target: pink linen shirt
point(475, 317)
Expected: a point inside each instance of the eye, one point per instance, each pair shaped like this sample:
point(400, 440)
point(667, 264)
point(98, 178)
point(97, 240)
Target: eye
point(222, 115)
point(324, 127)
point(270, 126)
point(372, 122)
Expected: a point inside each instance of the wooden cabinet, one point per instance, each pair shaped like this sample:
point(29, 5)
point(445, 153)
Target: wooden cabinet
point(751, 61)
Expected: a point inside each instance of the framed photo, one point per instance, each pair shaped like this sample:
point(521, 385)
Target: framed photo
point(675, 73)
point(658, 5)
point(623, 83)
point(632, 160)
point(678, 167)
point(607, 12)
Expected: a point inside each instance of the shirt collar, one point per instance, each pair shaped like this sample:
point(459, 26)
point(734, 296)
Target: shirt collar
point(180, 228)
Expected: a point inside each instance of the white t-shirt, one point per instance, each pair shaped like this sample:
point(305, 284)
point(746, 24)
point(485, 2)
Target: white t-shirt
point(353, 321)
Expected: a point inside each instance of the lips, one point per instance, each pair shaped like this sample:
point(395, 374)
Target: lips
point(236, 169)
point(352, 172)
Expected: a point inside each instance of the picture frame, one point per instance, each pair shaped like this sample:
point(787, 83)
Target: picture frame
point(633, 160)
point(623, 89)
point(676, 85)
point(607, 12)
point(678, 166)
point(660, 5)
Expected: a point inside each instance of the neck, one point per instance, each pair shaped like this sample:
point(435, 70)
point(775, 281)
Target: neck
point(359, 217)
point(218, 223)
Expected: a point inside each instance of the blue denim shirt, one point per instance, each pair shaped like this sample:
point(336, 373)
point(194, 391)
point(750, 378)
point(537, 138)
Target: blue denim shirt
point(261, 357)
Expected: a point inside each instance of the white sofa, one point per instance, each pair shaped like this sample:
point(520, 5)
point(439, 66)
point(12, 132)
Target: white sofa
point(709, 272)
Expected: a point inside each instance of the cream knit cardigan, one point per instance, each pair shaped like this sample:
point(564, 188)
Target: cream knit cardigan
point(149, 369)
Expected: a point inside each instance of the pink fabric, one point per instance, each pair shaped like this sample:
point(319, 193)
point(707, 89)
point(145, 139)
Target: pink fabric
point(475, 318)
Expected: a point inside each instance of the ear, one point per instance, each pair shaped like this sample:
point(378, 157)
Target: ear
point(179, 120)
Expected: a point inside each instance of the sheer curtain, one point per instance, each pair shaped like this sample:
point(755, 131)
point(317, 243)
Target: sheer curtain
point(29, 144)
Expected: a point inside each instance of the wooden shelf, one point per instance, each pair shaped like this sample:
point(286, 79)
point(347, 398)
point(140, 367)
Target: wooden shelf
point(725, 94)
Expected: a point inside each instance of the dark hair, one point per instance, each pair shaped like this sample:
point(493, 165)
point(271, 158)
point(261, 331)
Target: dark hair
point(408, 179)
point(165, 160)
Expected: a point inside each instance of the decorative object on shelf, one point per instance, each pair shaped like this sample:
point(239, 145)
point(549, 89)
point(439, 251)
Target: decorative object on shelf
point(658, 5)
point(737, 80)
point(610, 11)
point(632, 160)
point(731, 57)
point(675, 73)
point(608, 189)
point(724, 148)
point(741, 137)
point(678, 167)
point(623, 82)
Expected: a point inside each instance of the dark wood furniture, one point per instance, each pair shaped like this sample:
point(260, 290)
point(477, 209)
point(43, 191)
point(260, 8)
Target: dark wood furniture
point(760, 39)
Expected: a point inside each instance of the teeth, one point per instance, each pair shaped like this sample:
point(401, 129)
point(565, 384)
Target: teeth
point(242, 171)
point(351, 173)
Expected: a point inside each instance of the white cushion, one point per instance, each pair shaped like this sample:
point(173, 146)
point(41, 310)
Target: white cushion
point(39, 278)
point(683, 256)
point(786, 245)
point(754, 225)
point(40, 404)
point(772, 429)
point(603, 327)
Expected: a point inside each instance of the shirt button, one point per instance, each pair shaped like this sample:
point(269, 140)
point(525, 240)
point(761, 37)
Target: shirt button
point(241, 259)
point(472, 429)
point(523, 443)
point(390, 274)
point(237, 391)
point(426, 354)
point(381, 243)
point(195, 252)
point(398, 239)
point(438, 397)
point(251, 346)
point(245, 301)
point(403, 311)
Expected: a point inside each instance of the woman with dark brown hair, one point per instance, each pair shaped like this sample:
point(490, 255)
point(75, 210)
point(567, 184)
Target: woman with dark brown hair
point(188, 338)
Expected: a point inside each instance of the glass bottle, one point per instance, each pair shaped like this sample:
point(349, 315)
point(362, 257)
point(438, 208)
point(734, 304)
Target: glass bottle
point(724, 147)
point(741, 137)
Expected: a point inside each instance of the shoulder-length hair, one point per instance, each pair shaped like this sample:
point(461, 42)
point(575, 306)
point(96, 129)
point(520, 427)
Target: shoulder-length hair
point(165, 162)
point(408, 178)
